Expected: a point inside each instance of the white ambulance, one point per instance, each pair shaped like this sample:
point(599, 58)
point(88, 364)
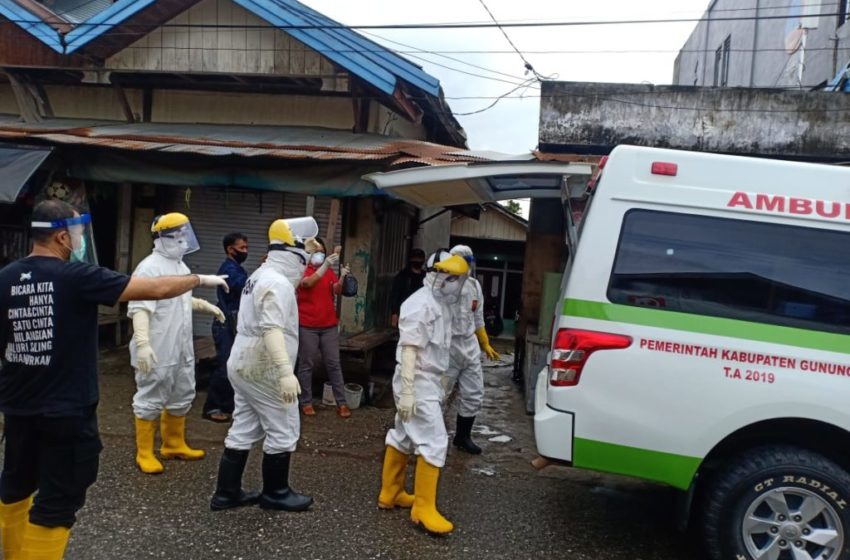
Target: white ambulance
point(703, 341)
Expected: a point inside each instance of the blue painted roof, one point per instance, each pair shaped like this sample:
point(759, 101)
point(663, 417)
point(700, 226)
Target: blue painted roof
point(369, 61)
point(32, 24)
point(103, 22)
point(365, 59)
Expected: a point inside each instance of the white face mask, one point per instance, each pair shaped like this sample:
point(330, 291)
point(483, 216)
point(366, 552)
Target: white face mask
point(317, 259)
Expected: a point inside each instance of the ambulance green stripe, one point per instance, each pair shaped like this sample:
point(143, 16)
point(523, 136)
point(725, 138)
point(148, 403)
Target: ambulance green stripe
point(675, 470)
point(789, 336)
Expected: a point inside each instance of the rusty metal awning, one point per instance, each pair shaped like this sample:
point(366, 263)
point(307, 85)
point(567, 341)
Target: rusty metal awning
point(282, 142)
point(17, 165)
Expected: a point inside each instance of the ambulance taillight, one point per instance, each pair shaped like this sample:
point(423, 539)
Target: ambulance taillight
point(664, 168)
point(573, 347)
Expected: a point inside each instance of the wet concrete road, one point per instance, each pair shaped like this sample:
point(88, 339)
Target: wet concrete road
point(501, 506)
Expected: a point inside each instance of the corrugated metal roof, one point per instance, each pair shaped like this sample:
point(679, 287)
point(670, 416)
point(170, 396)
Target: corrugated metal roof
point(31, 23)
point(77, 11)
point(286, 142)
point(366, 59)
point(103, 22)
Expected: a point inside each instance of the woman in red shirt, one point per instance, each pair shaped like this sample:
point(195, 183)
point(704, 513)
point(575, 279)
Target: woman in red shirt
point(318, 331)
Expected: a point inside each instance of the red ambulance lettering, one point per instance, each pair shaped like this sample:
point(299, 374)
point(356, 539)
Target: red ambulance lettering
point(790, 205)
point(770, 203)
point(800, 206)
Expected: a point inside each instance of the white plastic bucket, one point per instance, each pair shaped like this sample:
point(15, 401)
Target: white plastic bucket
point(353, 395)
point(328, 394)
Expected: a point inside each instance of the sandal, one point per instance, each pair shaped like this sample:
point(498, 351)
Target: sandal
point(216, 416)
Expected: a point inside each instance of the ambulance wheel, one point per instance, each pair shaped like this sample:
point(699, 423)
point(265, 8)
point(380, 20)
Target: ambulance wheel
point(776, 502)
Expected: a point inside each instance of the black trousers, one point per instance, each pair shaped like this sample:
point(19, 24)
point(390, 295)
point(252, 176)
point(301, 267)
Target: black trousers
point(56, 456)
point(220, 392)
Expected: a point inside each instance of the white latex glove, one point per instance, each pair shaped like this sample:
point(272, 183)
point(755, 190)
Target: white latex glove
point(145, 357)
point(213, 281)
point(345, 271)
point(312, 246)
point(276, 347)
point(203, 306)
point(406, 406)
point(329, 261)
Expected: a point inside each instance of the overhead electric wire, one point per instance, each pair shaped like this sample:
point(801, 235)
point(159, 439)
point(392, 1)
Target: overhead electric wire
point(528, 66)
point(416, 26)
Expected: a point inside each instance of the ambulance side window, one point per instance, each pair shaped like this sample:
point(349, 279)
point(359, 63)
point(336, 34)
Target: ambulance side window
point(751, 271)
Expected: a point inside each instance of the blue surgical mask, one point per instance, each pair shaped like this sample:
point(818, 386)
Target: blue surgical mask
point(317, 259)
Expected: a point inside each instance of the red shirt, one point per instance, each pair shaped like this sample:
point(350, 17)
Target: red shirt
point(316, 308)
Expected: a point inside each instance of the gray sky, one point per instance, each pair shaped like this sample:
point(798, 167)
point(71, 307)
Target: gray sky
point(511, 126)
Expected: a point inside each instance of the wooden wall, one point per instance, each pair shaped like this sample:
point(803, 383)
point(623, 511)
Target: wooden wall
point(260, 50)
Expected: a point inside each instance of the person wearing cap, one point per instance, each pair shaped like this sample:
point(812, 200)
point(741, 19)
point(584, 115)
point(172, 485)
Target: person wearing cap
point(260, 369)
point(162, 350)
point(406, 282)
point(48, 380)
point(422, 356)
point(469, 340)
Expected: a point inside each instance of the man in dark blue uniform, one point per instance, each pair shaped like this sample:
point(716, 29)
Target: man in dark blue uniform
point(48, 376)
point(219, 404)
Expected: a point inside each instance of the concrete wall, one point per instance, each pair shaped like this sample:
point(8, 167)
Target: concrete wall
point(758, 56)
point(433, 234)
point(594, 117)
point(358, 250)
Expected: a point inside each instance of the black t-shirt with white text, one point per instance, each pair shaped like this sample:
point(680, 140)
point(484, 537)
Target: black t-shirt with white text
point(48, 334)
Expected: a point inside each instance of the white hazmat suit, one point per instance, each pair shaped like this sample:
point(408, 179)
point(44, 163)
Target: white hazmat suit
point(465, 355)
point(170, 384)
point(425, 323)
point(268, 302)
point(162, 351)
point(264, 383)
point(425, 333)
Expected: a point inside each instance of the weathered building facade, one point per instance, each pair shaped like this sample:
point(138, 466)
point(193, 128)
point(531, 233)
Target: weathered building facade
point(766, 43)
point(235, 112)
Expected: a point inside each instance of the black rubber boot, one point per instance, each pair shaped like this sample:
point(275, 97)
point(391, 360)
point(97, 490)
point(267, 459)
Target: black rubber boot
point(228, 490)
point(276, 491)
point(463, 435)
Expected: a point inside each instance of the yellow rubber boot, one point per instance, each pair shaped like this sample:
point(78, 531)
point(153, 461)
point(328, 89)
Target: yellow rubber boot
point(145, 459)
point(44, 543)
point(173, 431)
point(13, 521)
point(392, 481)
point(424, 511)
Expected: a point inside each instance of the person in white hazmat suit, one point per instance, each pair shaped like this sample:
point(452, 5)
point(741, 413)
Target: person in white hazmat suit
point(423, 358)
point(469, 339)
point(161, 350)
point(260, 369)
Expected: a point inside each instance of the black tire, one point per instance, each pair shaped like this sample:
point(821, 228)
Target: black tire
point(754, 474)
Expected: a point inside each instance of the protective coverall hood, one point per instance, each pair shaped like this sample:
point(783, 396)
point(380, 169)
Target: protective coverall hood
point(291, 262)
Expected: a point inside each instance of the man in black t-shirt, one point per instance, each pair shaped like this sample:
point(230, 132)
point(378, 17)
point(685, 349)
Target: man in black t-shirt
point(48, 376)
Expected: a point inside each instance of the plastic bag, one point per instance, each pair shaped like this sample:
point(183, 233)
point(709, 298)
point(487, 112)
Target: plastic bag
point(349, 286)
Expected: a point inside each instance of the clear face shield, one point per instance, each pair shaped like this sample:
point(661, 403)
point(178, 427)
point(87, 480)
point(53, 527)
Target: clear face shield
point(80, 231)
point(447, 287)
point(178, 241)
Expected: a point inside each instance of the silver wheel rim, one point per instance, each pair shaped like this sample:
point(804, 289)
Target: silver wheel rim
point(792, 523)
